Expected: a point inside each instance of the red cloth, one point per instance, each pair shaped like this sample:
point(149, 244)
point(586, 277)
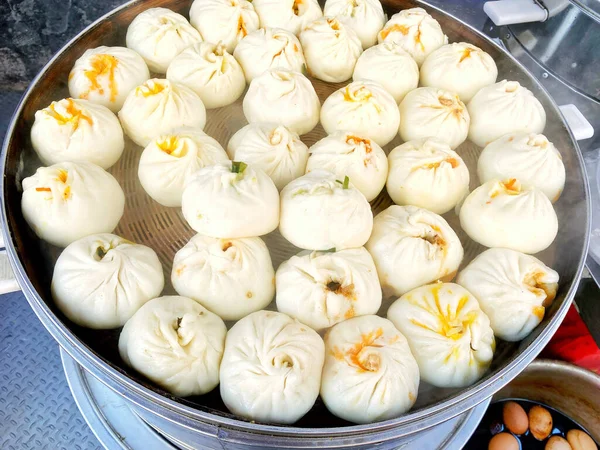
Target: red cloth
point(574, 343)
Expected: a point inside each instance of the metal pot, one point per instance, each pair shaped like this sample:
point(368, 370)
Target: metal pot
point(204, 422)
point(567, 388)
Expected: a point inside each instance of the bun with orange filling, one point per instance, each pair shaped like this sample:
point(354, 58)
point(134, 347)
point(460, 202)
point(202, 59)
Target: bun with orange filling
point(169, 162)
point(513, 289)
point(365, 108)
point(416, 31)
point(411, 247)
point(225, 21)
point(432, 112)
point(321, 289)
point(347, 153)
point(448, 333)
point(331, 49)
point(157, 107)
point(159, 35)
point(370, 374)
point(427, 173)
point(77, 130)
point(105, 75)
point(68, 201)
point(509, 215)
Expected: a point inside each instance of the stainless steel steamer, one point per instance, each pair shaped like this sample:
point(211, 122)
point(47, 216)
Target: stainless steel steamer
point(203, 421)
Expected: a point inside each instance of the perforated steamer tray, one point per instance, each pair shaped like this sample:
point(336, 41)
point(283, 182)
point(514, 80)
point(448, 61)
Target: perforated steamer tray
point(165, 230)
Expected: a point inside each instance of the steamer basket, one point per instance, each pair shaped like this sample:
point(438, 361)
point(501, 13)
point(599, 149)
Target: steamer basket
point(204, 421)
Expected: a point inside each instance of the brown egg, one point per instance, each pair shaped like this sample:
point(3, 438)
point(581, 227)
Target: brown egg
point(557, 443)
point(503, 441)
point(540, 422)
point(580, 440)
point(515, 418)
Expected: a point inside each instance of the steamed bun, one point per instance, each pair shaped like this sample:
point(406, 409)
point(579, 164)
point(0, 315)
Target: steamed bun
point(230, 277)
point(411, 247)
point(416, 31)
point(320, 212)
point(231, 200)
point(370, 374)
point(364, 107)
point(159, 35)
point(283, 97)
point(105, 75)
point(101, 280)
point(68, 201)
point(513, 289)
point(176, 343)
point(389, 65)
point(460, 67)
point(77, 131)
point(291, 15)
point(502, 108)
point(331, 49)
point(169, 162)
point(431, 112)
point(321, 289)
point(447, 332)
point(507, 214)
point(212, 73)
point(273, 148)
point(427, 173)
point(271, 369)
point(159, 106)
point(365, 17)
point(224, 21)
point(269, 48)
point(529, 157)
point(361, 159)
